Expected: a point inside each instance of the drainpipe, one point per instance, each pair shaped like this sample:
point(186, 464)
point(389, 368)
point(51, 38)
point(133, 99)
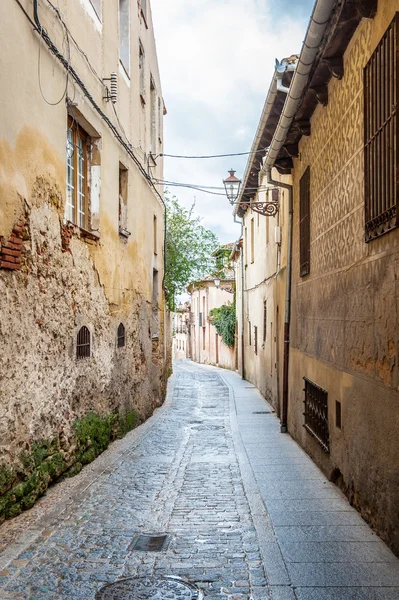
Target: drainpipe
point(316, 29)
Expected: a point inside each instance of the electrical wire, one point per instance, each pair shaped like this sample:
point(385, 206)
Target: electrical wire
point(215, 155)
point(66, 39)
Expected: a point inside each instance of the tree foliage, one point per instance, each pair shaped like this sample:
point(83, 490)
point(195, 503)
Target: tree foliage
point(189, 247)
point(224, 320)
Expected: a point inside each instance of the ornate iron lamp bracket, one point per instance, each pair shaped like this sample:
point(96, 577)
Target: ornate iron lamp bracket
point(268, 209)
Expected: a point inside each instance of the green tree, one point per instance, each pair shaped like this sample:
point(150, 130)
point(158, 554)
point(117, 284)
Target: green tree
point(189, 246)
point(224, 320)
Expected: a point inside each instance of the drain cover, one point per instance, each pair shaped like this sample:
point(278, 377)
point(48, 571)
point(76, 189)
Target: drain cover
point(146, 588)
point(261, 412)
point(149, 543)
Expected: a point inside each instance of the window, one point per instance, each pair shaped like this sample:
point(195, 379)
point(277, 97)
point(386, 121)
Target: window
point(160, 120)
point(304, 223)
point(256, 339)
point(264, 320)
point(245, 246)
point(203, 338)
point(121, 336)
point(252, 240)
point(203, 310)
point(96, 4)
point(124, 34)
point(316, 413)
point(83, 343)
point(155, 235)
point(338, 413)
point(144, 11)
point(153, 94)
point(249, 333)
point(380, 135)
point(142, 72)
point(123, 192)
point(76, 209)
point(155, 308)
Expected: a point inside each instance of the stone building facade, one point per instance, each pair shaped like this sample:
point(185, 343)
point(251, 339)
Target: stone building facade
point(81, 231)
point(340, 155)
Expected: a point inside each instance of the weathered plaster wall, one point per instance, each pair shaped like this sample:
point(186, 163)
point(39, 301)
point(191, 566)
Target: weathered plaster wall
point(264, 281)
point(345, 318)
point(60, 278)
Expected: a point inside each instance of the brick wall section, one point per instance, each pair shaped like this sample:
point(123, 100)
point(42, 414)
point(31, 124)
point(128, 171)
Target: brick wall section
point(10, 254)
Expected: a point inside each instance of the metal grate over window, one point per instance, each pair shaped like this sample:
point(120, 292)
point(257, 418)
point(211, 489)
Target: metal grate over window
point(83, 343)
point(255, 339)
point(381, 135)
point(316, 413)
point(121, 335)
point(304, 223)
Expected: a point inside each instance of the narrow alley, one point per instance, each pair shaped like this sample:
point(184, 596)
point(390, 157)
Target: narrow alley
point(246, 513)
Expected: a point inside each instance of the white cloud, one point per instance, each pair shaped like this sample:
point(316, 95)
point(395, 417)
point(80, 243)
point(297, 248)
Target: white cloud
point(217, 60)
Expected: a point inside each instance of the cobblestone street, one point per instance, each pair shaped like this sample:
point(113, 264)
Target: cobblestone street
point(248, 514)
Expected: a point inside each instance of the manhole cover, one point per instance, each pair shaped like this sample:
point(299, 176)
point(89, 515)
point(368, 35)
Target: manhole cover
point(149, 543)
point(146, 588)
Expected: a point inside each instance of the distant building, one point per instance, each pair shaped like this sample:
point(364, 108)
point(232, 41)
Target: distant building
point(181, 331)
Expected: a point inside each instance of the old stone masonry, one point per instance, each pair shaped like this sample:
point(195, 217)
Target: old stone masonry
point(207, 470)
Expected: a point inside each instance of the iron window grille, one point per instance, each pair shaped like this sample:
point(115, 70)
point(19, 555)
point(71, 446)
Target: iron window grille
point(381, 140)
point(304, 223)
point(316, 413)
point(121, 335)
point(83, 346)
point(256, 339)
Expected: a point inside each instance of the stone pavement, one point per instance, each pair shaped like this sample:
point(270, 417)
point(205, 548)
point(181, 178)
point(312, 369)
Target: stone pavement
point(248, 514)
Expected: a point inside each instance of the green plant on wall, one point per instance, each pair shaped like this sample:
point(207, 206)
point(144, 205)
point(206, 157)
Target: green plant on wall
point(224, 320)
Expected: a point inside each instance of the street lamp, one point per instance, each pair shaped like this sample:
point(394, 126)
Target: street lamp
point(232, 186)
point(268, 208)
point(217, 282)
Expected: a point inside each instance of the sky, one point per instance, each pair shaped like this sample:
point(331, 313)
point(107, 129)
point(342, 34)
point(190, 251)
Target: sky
point(216, 61)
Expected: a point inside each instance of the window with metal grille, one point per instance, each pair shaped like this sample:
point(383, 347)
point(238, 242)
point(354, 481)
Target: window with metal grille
point(381, 136)
point(76, 208)
point(249, 333)
point(304, 223)
point(256, 339)
point(83, 343)
point(316, 413)
point(121, 335)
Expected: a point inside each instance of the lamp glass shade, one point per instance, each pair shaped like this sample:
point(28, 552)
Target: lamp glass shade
point(232, 186)
point(217, 282)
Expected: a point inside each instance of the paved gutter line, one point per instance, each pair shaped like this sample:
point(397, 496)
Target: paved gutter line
point(31, 535)
point(277, 575)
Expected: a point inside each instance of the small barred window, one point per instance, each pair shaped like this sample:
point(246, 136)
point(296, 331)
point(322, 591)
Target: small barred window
point(121, 336)
point(83, 349)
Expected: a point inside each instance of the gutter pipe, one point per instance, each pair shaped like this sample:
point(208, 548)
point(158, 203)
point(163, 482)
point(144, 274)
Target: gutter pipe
point(275, 86)
point(316, 29)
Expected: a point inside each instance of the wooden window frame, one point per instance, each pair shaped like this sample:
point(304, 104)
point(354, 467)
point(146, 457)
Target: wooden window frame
point(79, 133)
point(381, 135)
point(304, 224)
